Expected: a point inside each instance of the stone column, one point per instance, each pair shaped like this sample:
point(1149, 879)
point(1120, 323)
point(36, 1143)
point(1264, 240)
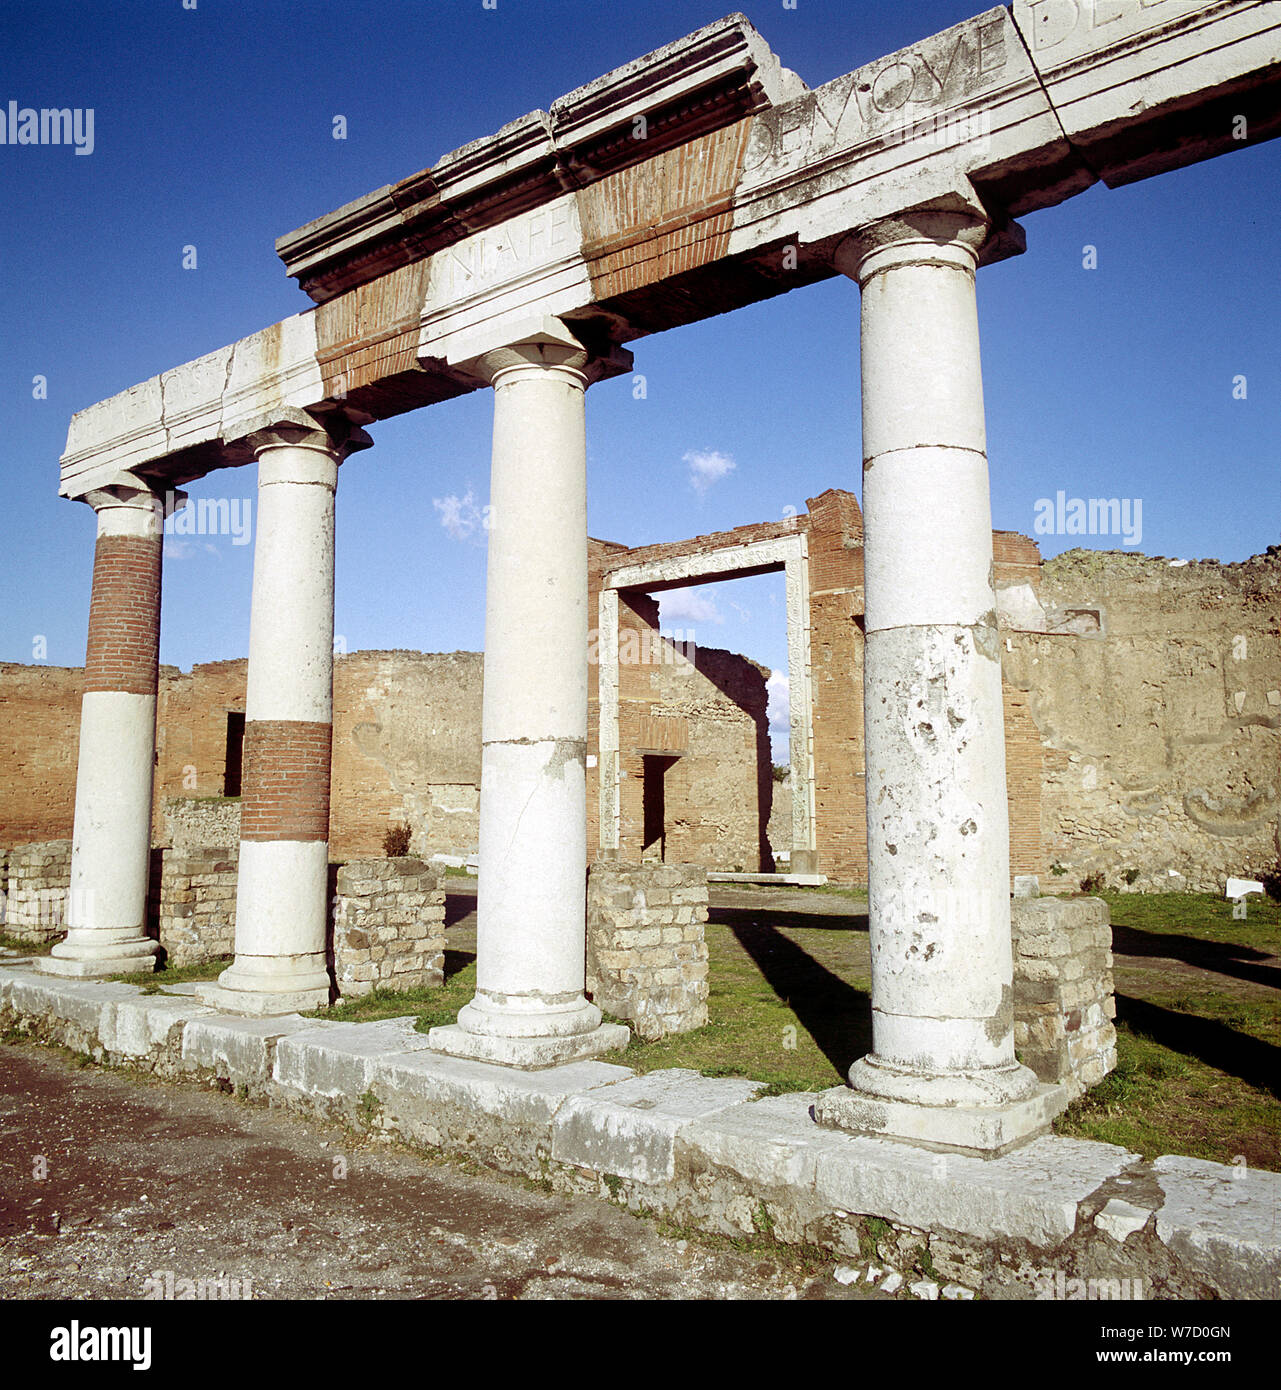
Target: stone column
point(529, 1009)
point(942, 1069)
point(282, 888)
point(111, 844)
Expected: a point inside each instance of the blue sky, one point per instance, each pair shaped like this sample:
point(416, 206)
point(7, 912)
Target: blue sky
point(213, 128)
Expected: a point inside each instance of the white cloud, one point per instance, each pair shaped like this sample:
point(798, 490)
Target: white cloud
point(778, 688)
point(687, 605)
point(707, 466)
point(461, 516)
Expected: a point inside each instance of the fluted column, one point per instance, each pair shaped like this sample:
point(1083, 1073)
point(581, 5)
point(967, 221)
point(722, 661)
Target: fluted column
point(529, 1009)
point(942, 1069)
point(282, 888)
point(111, 841)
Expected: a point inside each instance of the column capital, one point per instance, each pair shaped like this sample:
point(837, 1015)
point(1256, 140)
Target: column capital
point(955, 231)
point(545, 343)
point(337, 434)
point(130, 505)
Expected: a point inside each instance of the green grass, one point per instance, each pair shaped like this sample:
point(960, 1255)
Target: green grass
point(28, 948)
point(155, 981)
point(1198, 1042)
point(752, 1031)
point(1206, 916)
point(789, 1005)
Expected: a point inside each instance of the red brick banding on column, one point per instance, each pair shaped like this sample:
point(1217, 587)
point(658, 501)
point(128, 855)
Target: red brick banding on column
point(285, 780)
point(124, 616)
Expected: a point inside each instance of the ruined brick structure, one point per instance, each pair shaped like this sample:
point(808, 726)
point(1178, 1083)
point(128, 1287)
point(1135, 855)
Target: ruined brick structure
point(1170, 779)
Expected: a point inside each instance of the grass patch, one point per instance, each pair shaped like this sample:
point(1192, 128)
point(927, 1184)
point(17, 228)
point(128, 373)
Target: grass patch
point(155, 981)
point(1204, 916)
point(28, 948)
point(433, 1006)
point(752, 1030)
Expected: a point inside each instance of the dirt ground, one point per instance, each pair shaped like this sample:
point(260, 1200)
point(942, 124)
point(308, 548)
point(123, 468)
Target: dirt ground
point(145, 1178)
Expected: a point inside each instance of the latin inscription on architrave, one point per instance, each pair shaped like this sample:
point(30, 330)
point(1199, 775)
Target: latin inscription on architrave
point(941, 73)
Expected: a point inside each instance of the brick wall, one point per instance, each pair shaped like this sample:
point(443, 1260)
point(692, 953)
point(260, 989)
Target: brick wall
point(646, 946)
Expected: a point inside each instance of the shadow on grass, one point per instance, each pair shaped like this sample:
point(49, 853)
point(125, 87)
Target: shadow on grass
point(456, 961)
point(458, 906)
point(1256, 1062)
point(1223, 957)
point(835, 1014)
point(736, 917)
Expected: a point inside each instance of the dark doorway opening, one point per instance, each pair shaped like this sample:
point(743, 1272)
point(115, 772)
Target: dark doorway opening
point(654, 802)
point(235, 753)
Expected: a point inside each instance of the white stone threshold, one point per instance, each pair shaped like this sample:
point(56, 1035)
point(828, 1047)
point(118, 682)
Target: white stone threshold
point(704, 1150)
point(788, 880)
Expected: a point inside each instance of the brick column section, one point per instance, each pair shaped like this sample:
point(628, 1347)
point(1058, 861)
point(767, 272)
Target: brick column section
point(282, 889)
point(530, 1009)
point(111, 843)
point(942, 1070)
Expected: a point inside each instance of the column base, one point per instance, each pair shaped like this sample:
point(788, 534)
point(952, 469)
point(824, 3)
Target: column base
point(261, 1003)
point(263, 986)
point(88, 960)
point(985, 1130)
point(528, 1054)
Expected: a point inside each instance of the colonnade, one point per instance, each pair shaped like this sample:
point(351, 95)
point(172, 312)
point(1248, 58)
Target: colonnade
point(938, 842)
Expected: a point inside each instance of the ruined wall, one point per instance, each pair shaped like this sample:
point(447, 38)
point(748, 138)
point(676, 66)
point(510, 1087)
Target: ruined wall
point(707, 710)
point(406, 751)
point(1159, 703)
point(39, 742)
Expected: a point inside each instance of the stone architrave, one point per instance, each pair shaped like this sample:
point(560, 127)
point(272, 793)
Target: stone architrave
point(111, 844)
point(282, 890)
point(943, 1069)
point(530, 1009)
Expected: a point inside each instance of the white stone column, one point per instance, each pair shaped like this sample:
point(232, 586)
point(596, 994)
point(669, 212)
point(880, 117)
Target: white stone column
point(529, 1009)
point(111, 842)
point(282, 889)
point(942, 1069)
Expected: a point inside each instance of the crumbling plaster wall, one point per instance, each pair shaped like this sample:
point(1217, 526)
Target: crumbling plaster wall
point(1161, 717)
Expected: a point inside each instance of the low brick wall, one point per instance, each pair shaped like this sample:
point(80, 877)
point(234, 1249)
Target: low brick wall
point(1063, 992)
point(39, 883)
point(646, 945)
point(196, 912)
point(388, 926)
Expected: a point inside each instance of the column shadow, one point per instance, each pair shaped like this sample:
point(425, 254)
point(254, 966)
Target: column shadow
point(1250, 1059)
point(835, 1014)
point(1223, 957)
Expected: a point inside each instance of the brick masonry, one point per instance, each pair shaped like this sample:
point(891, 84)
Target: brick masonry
point(1163, 780)
point(646, 945)
point(388, 926)
point(36, 890)
point(286, 786)
point(1063, 992)
point(124, 615)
